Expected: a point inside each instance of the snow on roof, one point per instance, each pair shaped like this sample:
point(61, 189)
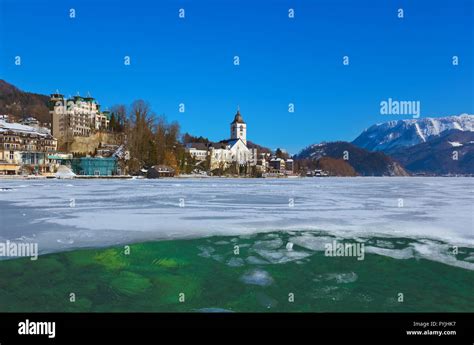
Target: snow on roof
point(19, 128)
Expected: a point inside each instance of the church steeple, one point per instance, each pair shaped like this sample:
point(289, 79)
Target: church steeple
point(238, 118)
point(238, 127)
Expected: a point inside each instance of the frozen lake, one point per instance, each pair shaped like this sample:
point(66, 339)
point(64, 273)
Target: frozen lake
point(66, 214)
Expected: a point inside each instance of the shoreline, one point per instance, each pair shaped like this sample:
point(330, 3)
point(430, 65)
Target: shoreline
point(129, 177)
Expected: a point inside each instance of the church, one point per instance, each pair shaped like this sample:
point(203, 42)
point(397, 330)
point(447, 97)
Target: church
point(234, 149)
point(226, 152)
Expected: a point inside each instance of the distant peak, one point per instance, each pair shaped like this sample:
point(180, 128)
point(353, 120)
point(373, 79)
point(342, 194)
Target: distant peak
point(390, 135)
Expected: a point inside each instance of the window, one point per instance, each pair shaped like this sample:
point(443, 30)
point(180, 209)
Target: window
point(12, 155)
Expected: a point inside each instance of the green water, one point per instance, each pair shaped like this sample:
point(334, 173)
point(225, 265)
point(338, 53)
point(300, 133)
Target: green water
point(210, 275)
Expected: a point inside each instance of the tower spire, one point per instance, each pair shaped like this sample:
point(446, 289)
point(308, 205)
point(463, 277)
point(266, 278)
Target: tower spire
point(238, 128)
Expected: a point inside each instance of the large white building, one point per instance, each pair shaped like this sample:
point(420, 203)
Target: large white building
point(233, 150)
point(199, 151)
point(76, 117)
point(226, 152)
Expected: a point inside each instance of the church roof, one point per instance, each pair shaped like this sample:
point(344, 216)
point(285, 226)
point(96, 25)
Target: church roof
point(238, 118)
point(224, 143)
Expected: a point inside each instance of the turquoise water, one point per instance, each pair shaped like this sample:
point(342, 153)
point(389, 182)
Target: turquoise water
point(263, 276)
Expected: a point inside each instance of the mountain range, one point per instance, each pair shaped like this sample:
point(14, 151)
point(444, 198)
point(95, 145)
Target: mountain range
point(452, 152)
point(433, 146)
point(428, 146)
point(390, 136)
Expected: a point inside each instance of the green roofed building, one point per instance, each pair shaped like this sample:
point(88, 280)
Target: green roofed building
point(75, 117)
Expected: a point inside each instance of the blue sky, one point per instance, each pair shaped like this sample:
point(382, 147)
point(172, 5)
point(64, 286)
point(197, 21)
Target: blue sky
point(282, 60)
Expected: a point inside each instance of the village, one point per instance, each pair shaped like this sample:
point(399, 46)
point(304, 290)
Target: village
point(83, 141)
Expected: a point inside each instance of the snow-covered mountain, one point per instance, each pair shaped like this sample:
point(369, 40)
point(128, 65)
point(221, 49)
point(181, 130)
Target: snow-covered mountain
point(450, 153)
point(393, 135)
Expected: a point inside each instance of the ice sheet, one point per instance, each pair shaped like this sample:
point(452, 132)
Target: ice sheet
point(62, 215)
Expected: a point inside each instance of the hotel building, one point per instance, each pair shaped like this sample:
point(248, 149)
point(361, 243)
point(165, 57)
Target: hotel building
point(25, 147)
point(76, 117)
